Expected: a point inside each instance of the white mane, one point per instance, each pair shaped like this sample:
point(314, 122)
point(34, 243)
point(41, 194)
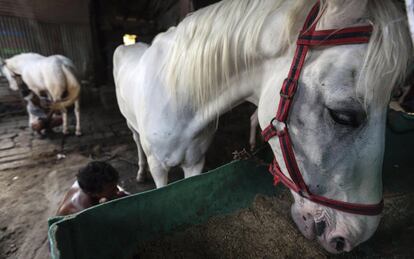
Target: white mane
point(389, 52)
point(218, 42)
point(215, 43)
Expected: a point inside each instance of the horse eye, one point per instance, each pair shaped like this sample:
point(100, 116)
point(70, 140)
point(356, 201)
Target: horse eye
point(347, 118)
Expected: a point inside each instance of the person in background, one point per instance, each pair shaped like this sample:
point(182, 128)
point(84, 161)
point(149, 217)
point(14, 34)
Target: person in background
point(96, 183)
point(41, 119)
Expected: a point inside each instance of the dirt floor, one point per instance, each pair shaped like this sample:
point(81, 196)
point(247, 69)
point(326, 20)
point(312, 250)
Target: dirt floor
point(35, 173)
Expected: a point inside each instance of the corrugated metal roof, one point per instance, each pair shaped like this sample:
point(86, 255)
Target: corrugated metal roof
point(55, 11)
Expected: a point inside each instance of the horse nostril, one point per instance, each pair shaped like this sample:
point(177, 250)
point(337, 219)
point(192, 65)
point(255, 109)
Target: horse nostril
point(338, 243)
point(320, 228)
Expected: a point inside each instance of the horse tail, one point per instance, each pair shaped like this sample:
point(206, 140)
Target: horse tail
point(72, 87)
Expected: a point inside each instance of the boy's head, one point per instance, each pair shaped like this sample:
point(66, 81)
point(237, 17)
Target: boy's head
point(99, 180)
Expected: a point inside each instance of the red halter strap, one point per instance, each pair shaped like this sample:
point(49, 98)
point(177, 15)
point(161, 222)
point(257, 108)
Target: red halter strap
point(309, 37)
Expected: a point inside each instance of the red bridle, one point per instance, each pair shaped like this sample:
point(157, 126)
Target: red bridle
point(310, 37)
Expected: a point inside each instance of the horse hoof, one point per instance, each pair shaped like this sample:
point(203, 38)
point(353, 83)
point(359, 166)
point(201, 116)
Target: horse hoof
point(78, 133)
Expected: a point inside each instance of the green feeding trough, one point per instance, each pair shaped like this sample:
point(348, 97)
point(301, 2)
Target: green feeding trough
point(114, 229)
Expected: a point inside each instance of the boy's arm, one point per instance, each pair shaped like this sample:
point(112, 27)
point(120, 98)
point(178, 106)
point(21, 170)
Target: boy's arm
point(66, 209)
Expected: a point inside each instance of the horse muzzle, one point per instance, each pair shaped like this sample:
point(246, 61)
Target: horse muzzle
point(335, 231)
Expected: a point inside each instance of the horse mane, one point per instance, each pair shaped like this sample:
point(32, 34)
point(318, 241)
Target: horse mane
point(216, 43)
point(389, 52)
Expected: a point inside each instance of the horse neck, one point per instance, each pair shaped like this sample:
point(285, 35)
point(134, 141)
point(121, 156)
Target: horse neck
point(246, 87)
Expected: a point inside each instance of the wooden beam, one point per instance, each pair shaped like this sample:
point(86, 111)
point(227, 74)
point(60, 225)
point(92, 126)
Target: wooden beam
point(410, 15)
point(186, 7)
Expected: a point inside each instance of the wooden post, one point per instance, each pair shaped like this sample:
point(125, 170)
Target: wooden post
point(186, 6)
point(98, 57)
point(410, 15)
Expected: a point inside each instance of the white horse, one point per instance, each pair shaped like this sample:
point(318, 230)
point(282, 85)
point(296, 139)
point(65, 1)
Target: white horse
point(172, 92)
point(53, 76)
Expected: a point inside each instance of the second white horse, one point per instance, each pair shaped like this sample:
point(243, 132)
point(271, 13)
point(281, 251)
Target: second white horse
point(53, 76)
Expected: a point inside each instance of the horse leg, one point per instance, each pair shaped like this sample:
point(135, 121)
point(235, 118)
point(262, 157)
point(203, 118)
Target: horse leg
point(254, 121)
point(142, 160)
point(194, 169)
point(32, 120)
point(158, 172)
point(77, 115)
point(65, 121)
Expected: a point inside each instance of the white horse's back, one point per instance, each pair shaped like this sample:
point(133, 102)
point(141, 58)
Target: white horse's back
point(65, 61)
point(53, 74)
point(124, 55)
point(125, 59)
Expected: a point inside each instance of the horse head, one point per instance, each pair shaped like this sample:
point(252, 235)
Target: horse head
point(337, 120)
point(2, 64)
point(10, 76)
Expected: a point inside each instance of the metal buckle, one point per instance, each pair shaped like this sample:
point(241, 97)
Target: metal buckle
point(278, 126)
